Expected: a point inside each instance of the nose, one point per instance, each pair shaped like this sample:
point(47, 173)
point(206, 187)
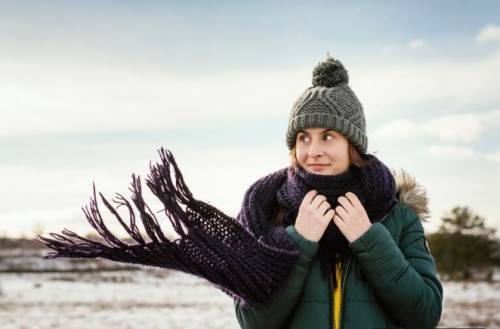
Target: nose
point(315, 149)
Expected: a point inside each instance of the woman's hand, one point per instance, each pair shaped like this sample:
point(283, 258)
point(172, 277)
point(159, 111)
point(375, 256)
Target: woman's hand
point(351, 217)
point(314, 215)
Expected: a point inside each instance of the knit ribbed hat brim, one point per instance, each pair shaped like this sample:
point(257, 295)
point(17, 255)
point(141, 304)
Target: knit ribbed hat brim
point(326, 120)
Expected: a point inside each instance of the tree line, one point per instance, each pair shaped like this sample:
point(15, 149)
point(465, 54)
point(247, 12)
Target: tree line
point(464, 247)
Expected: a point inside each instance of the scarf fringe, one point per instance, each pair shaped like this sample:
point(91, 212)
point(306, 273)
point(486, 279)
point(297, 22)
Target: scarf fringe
point(212, 245)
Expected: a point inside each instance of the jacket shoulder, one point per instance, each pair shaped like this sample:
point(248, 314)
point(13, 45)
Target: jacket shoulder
point(401, 219)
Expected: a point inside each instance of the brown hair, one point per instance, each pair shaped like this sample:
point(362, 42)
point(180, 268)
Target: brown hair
point(356, 158)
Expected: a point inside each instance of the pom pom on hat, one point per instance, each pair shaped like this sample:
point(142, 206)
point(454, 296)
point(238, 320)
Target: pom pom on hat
point(329, 73)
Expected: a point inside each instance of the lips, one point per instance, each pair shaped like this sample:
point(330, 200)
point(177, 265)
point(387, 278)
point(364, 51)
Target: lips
point(318, 167)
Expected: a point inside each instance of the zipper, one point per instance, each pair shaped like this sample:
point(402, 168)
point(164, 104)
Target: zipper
point(344, 281)
point(342, 290)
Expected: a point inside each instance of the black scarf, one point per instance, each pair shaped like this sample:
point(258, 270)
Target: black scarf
point(373, 184)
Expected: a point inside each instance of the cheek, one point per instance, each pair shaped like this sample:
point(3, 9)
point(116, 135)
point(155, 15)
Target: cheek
point(300, 155)
point(340, 154)
point(345, 155)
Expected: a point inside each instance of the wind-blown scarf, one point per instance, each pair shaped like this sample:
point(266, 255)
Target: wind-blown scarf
point(248, 257)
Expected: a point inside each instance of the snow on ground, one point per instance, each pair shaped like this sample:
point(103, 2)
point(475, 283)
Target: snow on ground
point(471, 304)
point(163, 299)
point(151, 299)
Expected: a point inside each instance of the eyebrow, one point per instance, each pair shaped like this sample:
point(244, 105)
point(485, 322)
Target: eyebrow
point(324, 131)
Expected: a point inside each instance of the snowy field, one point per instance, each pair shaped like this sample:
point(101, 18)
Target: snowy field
point(140, 299)
point(154, 298)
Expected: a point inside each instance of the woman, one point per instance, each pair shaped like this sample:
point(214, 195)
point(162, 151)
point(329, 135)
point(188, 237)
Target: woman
point(363, 262)
point(334, 240)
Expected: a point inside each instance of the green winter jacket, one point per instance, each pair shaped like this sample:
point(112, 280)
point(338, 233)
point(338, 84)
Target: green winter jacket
point(389, 282)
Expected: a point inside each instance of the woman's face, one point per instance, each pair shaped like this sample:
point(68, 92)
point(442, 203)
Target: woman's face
point(322, 151)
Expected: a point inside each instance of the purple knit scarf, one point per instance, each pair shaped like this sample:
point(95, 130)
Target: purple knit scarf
point(248, 257)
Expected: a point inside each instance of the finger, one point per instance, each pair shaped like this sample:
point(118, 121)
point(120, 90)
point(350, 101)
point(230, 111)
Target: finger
point(310, 196)
point(330, 214)
point(318, 199)
point(345, 203)
point(339, 222)
point(323, 208)
point(340, 211)
point(354, 200)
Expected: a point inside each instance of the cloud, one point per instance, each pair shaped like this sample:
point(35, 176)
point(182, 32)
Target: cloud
point(399, 128)
point(61, 95)
point(386, 88)
point(451, 151)
point(54, 196)
point(462, 128)
point(64, 90)
point(489, 33)
point(460, 152)
point(417, 43)
point(495, 156)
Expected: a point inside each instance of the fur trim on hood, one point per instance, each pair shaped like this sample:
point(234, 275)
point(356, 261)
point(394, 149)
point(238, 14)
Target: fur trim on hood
point(412, 194)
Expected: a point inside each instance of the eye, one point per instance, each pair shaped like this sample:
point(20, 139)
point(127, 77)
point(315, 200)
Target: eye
point(302, 137)
point(328, 135)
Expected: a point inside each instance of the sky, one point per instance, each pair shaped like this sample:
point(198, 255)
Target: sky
point(89, 91)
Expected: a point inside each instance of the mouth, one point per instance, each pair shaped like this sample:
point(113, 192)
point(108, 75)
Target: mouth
point(318, 167)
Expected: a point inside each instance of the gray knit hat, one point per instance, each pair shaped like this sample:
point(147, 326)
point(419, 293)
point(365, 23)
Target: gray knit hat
point(329, 103)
